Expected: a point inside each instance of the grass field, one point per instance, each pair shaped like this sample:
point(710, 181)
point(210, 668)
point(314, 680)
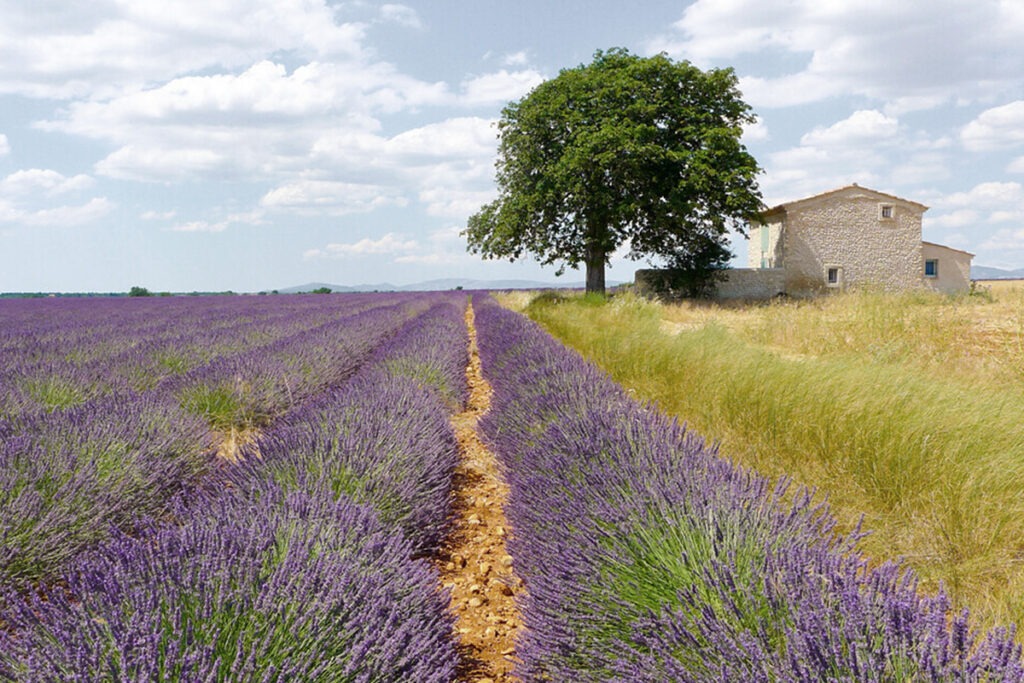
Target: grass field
point(906, 410)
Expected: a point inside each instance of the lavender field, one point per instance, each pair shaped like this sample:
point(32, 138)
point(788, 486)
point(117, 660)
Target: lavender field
point(132, 549)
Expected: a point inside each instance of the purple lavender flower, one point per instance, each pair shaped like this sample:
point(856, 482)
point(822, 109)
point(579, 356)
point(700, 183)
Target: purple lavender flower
point(285, 588)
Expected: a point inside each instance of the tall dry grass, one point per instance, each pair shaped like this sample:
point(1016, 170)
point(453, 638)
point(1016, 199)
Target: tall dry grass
point(906, 409)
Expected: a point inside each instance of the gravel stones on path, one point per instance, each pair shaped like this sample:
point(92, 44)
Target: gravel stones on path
point(475, 565)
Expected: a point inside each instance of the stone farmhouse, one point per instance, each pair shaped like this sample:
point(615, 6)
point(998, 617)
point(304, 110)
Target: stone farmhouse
point(849, 237)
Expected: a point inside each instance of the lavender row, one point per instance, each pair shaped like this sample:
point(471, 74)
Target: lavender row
point(251, 389)
point(69, 352)
point(69, 475)
point(648, 558)
point(383, 438)
point(298, 563)
point(283, 587)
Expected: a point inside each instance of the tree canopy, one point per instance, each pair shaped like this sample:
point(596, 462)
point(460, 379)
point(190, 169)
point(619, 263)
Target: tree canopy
point(626, 150)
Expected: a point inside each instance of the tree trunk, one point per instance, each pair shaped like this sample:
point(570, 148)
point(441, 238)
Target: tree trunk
point(595, 269)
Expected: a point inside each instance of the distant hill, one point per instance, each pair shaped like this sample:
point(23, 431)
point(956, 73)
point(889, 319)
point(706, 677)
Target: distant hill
point(439, 285)
point(990, 273)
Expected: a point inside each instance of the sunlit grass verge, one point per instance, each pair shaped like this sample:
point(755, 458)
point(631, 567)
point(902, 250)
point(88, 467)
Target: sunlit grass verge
point(286, 587)
point(935, 467)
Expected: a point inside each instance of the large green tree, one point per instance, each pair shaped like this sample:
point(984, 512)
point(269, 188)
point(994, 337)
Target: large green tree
point(624, 150)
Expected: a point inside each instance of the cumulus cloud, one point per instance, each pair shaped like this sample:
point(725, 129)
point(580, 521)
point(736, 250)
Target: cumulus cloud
point(896, 52)
point(990, 195)
point(32, 198)
point(43, 181)
point(100, 49)
point(861, 127)
point(201, 226)
point(995, 128)
point(516, 59)
point(331, 197)
point(854, 149)
point(955, 219)
point(5, 146)
point(452, 138)
point(401, 14)
point(254, 217)
point(445, 246)
point(499, 87)
point(1004, 241)
point(388, 244)
point(263, 120)
point(68, 216)
point(868, 147)
point(979, 209)
point(157, 215)
point(755, 132)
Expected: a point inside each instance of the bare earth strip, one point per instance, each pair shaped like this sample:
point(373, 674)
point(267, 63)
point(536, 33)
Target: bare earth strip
point(475, 563)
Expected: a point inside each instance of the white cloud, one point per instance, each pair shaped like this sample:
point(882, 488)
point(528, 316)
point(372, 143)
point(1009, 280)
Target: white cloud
point(161, 163)
point(262, 121)
point(499, 88)
point(58, 216)
point(1005, 240)
point(516, 59)
point(157, 215)
point(445, 246)
point(436, 258)
point(451, 138)
point(45, 181)
point(254, 217)
point(908, 54)
point(995, 128)
point(955, 219)
point(105, 48)
point(985, 196)
point(755, 132)
point(401, 14)
point(388, 244)
point(922, 168)
point(201, 226)
point(5, 146)
point(861, 127)
point(330, 197)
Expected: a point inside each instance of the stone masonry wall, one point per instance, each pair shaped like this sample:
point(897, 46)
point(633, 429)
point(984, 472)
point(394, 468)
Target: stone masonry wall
point(848, 233)
point(752, 283)
point(738, 283)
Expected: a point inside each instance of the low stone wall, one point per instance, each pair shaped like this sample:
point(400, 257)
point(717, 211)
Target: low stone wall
point(738, 283)
point(752, 283)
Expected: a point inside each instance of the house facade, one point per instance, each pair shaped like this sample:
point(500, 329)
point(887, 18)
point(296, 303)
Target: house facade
point(849, 237)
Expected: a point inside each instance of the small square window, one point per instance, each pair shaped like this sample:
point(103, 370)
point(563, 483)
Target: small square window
point(834, 276)
point(931, 267)
point(886, 212)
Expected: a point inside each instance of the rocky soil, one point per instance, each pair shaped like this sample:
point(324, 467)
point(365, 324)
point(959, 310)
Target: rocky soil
point(475, 564)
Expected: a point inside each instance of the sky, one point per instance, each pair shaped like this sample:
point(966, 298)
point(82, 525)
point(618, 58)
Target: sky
point(250, 145)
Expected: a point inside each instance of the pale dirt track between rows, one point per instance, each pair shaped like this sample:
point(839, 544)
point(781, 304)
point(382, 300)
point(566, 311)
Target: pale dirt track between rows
point(475, 564)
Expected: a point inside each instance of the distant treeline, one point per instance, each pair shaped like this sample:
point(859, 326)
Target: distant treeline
point(88, 295)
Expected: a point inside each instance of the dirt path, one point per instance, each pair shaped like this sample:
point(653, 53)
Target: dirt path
point(475, 564)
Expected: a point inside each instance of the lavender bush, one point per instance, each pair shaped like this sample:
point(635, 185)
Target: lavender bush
point(66, 478)
point(80, 451)
point(290, 587)
point(384, 437)
point(648, 558)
